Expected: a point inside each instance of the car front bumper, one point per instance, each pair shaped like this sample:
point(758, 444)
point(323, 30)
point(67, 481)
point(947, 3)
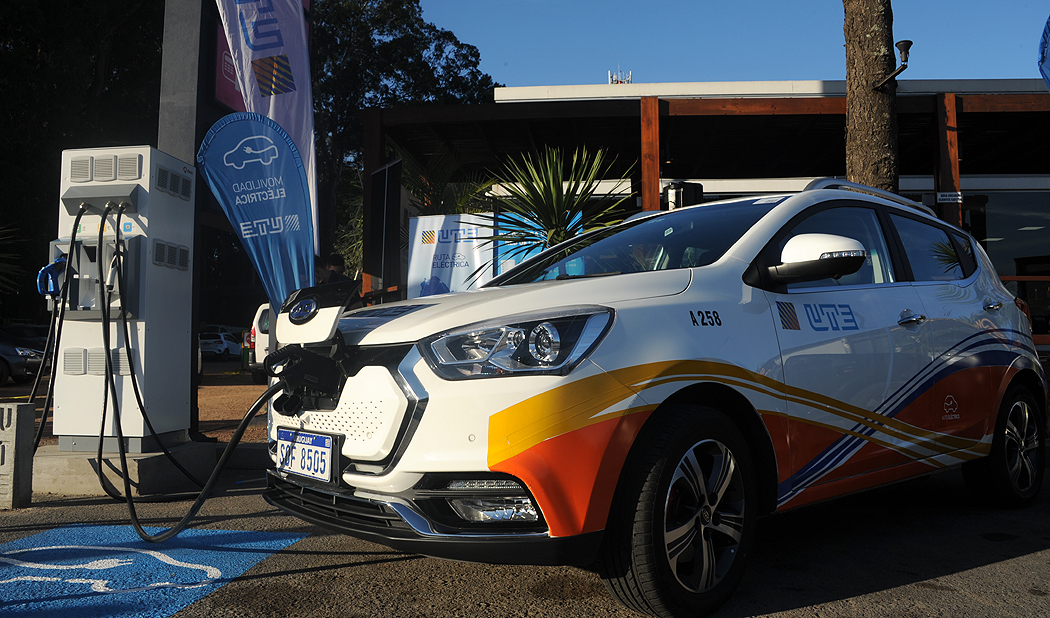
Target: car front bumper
point(399, 523)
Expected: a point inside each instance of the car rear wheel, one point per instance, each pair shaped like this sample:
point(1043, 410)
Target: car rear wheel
point(1012, 473)
point(684, 517)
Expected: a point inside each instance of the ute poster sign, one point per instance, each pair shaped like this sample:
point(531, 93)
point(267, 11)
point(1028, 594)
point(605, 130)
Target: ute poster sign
point(444, 250)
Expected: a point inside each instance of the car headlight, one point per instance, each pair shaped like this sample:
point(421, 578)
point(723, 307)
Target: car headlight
point(28, 352)
point(543, 343)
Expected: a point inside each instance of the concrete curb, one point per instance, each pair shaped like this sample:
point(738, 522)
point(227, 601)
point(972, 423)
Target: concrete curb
point(76, 474)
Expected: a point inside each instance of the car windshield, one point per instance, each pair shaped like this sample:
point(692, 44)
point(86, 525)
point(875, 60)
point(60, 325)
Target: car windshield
point(685, 238)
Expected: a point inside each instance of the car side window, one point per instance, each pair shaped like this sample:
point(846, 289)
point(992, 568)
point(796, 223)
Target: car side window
point(930, 252)
point(861, 224)
point(966, 255)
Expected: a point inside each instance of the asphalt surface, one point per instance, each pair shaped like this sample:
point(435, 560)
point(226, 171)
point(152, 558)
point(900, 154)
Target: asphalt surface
point(921, 548)
point(916, 549)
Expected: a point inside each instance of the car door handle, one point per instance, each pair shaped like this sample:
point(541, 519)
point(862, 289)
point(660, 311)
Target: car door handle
point(990, 306)
point(909, 317)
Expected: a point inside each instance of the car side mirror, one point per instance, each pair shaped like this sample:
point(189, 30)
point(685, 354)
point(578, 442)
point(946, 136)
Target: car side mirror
point(811, 257)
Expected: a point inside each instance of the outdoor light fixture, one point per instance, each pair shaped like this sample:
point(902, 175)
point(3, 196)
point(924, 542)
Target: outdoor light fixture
point(904, 46)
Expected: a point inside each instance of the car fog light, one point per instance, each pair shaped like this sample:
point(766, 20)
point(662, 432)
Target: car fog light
point(492, 510)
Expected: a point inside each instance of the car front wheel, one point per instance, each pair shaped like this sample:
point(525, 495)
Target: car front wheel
point(1012, 473)
point(684, 517)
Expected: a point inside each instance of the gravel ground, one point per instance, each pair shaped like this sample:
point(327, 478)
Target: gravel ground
point(224, 396)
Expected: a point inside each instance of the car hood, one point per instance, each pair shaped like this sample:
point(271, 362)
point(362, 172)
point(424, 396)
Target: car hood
point(412, 320)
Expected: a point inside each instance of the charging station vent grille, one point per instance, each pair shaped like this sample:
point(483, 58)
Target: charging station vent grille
point(174, 183)
point(171, 255)
point(129, 167)
point(96, 361)
point(160, 252)
point(121, 366)
point(105, 168)
point(74, 361)
point(80, 169)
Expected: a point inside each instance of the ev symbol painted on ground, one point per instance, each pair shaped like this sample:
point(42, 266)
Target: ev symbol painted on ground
point(109, 571)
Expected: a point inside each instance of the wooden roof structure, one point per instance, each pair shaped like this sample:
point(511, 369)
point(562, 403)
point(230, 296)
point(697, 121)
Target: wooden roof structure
point(722, 130)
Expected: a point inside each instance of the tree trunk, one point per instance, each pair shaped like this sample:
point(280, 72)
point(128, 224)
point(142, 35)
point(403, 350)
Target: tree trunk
point(871, 115)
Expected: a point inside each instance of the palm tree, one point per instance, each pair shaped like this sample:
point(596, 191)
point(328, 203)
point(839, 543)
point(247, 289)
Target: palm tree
point(544, 202)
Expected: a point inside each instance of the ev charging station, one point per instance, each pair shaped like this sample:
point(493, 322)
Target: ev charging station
point(150, 196)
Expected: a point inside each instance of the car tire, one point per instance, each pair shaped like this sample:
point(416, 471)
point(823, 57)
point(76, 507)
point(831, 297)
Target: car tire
point(224, 355)
point(1012, 473)
point(5, 372)
point(692, 478)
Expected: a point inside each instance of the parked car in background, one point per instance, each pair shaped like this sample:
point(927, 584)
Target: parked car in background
point(638, 396)
point(260, 343)
point(31, 335)
point(18, 360)
point(222, 345)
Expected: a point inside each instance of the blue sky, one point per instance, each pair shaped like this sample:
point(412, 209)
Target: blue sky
point(558, 42)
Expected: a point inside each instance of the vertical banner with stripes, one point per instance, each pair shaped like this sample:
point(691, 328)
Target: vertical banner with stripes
point(268, 44)
point(1044, 54)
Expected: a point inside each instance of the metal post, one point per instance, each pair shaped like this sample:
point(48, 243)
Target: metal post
point(16, 455)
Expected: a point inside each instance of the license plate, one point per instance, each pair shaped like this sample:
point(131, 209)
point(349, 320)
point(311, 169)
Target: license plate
point(305, 454)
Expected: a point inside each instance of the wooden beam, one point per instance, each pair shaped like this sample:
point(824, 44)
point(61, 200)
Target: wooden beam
point(946, 179)
point(756, 107)
point(1004, 103)
point(650, 155)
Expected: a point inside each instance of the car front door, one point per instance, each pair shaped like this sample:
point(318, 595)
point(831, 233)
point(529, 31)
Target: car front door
point(850, 349)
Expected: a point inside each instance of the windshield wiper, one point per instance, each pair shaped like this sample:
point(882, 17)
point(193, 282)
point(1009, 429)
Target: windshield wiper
point(587, 276)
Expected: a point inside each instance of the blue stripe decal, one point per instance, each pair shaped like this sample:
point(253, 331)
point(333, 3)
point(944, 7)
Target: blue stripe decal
point(962, 356)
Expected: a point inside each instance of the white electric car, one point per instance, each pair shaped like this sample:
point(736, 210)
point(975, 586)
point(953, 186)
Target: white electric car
point(636, 397)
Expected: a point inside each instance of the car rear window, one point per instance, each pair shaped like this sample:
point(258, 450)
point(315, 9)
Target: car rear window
point(686, 238)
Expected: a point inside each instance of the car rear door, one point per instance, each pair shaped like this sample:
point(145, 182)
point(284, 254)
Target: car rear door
point(850, 350)
point(968, 313)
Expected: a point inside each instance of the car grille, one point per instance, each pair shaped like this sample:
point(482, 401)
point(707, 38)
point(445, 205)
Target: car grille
point(334, 510)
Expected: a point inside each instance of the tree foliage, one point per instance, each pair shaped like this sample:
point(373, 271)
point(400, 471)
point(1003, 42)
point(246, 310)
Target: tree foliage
point(439, 186)
point(75, 75)
point(379, 53)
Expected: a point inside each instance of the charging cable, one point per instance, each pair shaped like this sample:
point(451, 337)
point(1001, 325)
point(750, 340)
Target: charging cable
point(57, 327)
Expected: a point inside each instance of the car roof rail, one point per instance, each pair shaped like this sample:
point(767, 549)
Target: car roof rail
point(835, 183)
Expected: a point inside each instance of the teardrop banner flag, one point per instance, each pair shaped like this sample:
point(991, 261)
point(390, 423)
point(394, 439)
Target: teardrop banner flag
point(257, 176)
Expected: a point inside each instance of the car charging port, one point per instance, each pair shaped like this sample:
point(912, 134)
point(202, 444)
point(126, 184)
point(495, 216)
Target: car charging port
point(305, 373)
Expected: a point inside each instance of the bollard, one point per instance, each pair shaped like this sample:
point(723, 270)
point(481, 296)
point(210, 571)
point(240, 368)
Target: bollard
point(16, 454)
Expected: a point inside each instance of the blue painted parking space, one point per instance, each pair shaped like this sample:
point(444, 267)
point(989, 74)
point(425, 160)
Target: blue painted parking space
point(76, 571)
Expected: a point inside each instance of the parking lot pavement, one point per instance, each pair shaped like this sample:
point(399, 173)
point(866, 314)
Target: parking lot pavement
point(921, 548)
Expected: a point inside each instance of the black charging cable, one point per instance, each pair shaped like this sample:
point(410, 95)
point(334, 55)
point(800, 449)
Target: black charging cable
point(118, 259)
point(64, 293)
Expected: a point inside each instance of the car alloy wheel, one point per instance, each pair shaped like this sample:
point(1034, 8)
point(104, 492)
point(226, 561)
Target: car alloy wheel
point(684, 515)
point(703, 516)
point(1012, 473)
